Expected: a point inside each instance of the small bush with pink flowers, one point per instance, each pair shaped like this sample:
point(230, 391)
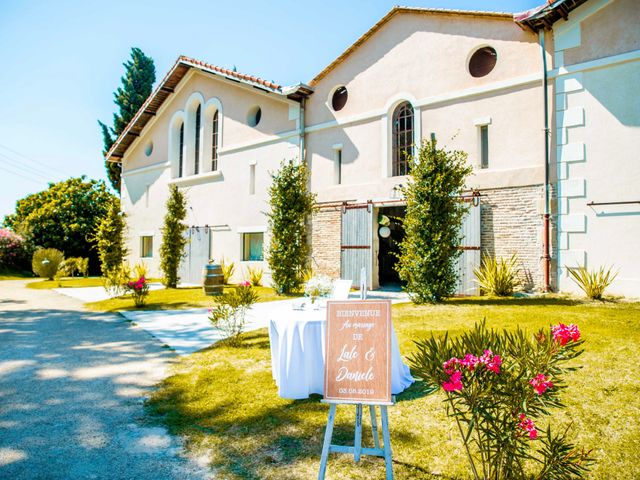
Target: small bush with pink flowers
point(500, 388)
point(139, 290)
point(14, 252)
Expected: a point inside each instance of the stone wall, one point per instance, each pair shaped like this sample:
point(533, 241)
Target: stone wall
point(512, 222)
point(325, 241)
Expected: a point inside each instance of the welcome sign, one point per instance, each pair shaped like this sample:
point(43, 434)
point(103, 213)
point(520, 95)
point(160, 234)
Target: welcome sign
point(358, 352)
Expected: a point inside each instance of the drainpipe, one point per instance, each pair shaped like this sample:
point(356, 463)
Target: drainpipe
point(301, 129)
point(546, 257)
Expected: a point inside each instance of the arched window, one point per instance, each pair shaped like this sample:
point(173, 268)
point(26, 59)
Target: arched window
point(196, 159)
point(181, 152)
point(214, 143)
point(402, 138)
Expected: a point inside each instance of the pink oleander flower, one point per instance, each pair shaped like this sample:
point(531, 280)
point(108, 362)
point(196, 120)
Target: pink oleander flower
point(540, 383)
point(454, 383)
point(450, 365)
point(245, 284)
point(491, 361)
point(528, 426)
point(563, 333)
point(470, 361)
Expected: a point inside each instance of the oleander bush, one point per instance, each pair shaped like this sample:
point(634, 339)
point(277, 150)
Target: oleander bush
point(229, 315)
point(46, 262)
point(593, 282)
point(499, 389)
point(14, 251)
point(497, 276)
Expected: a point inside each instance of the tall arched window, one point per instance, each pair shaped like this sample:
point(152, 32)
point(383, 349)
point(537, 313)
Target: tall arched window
point(196, 160)
point(214, 143)
point(402, 138)
point(181, 152)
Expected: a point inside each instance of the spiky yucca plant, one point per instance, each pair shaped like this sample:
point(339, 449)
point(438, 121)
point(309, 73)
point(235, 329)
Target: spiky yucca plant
point(228, 270)
point(255, 276)
point(497, 276)
point(593, 283)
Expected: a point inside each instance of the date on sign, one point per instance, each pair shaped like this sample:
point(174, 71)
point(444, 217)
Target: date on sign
point(358, 391)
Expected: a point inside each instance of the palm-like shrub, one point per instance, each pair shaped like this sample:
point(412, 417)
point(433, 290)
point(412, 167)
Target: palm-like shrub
point(46, 262)
point(593, 283)
point(498, 386)
point(255, 276)
point(228, 270)
point(497, 276)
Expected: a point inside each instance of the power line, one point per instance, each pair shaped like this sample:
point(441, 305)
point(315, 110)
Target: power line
point(24, 168)
point(20, 175)
point(41, 164)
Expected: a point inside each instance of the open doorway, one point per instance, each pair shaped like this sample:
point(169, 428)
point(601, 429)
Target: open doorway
point(390, 234)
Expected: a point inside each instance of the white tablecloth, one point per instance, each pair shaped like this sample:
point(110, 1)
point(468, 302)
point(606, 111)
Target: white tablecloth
point(297, 354)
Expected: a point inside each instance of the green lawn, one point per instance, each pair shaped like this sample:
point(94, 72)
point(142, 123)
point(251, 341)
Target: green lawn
point(173, 299)
point(225, 400)
point(14, 276)
point(66, 282)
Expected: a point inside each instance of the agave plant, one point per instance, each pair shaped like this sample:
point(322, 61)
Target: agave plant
point(227, 270)
point(497, 276)
point(255, 276)
point(593, 283)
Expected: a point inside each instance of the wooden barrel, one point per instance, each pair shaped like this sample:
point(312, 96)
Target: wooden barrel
point(212, 279)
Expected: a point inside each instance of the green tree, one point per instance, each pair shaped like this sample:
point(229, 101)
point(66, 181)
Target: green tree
point(109, 240)
point(173, 239)
point(432, 224)
point(291, 204)
point(64, 216)
point(137, 85)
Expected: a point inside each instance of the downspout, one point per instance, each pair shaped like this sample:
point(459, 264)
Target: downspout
point(301, 120)
point(546, 256)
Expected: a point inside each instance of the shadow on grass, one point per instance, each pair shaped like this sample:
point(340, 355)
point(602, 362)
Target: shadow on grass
point(510, 301)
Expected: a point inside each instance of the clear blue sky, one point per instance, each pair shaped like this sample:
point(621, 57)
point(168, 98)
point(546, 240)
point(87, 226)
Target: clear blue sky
point(62, 60)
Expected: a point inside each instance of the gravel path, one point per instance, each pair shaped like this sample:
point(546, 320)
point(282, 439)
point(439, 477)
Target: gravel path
point(72, 385)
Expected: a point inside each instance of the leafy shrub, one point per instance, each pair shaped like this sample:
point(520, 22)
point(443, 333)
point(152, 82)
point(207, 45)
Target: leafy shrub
point(432, 224)
point(229, 316)
point(227, 270)
point(593, 283)
point(14, 252)
point(74, 265)
point(255, 276)
point(497, 386)
point(291, 204)
point(46, 262)
point(497, 276)
point(140, 270)
point(139, 289)
point(116, 279)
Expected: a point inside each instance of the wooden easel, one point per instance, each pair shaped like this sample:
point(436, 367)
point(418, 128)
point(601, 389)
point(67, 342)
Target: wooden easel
point(358, 450)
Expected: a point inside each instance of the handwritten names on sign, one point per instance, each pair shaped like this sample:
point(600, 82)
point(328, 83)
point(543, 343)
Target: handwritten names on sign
point(358, 352)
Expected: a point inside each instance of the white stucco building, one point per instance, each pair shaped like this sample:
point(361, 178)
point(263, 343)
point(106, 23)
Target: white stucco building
point(474, 81)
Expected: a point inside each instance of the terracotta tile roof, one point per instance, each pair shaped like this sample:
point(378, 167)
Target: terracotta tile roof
point(168, 85)
point(393, 12)
point(545, 15)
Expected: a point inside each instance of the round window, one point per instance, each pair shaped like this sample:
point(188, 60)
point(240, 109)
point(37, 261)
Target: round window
point(254, 116)
point(339, 98)
point(482, 61)
point(148, 149)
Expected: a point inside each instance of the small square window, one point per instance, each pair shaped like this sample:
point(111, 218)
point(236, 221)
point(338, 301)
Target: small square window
point(252, 246)
point(146, 246)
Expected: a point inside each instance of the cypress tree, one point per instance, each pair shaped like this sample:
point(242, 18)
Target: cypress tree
point(109, 239)
point(173, 239)
point(291, 204)
point(432, 224)
point(137, 85)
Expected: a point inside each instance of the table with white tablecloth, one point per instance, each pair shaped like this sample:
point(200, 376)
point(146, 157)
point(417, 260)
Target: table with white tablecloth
point(297, 339)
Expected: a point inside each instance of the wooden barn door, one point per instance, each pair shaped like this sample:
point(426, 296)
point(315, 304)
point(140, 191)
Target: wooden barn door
point(196, 255)
point(356, 246)
point(470, 258)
